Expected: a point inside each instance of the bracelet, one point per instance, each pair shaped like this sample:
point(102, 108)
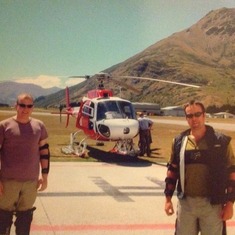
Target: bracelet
point(45, 170)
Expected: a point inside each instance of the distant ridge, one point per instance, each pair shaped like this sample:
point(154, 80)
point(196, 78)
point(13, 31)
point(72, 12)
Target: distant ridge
point(10, 90)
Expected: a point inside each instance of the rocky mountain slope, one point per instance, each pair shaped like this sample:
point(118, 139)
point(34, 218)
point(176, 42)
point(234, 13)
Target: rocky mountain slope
point(203, 54)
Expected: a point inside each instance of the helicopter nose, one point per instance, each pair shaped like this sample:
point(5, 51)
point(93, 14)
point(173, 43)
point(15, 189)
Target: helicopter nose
point(116, 129)
point(126, 130)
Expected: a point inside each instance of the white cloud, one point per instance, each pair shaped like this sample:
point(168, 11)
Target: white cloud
point(44, 81)
point(73, 81)
point(47, 81)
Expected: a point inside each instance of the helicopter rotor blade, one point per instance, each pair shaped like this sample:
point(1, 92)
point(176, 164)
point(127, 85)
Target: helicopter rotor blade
point(159, 80)
point(125, 85)
point(85, 76)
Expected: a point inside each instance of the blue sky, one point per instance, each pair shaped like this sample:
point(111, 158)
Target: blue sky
point(44, 40)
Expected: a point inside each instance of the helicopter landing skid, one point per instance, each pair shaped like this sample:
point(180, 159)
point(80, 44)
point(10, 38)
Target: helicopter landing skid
point(126, 147)
point(77, 148)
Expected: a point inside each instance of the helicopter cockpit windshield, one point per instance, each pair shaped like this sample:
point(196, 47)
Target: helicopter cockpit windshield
point(115, 109)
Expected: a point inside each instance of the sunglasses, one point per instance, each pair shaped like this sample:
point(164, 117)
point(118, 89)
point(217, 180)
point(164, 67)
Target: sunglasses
point(26, 105)
point(191, 115)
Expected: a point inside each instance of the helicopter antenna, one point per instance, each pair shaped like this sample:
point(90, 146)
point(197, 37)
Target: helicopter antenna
point(60, 109)
point(120, 91)
point(101, 85)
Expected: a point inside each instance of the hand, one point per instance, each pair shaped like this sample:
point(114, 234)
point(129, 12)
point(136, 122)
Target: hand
point(227, 211)
point(169, 208)
point(1, 188)
point(42, 184)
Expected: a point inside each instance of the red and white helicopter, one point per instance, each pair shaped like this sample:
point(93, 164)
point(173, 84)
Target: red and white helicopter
point(104, 117)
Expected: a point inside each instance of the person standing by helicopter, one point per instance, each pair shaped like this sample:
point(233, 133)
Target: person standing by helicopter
point(202, 169)
point(24, 149)
point(145, 125)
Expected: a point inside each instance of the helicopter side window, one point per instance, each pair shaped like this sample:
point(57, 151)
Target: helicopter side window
point(87, 110)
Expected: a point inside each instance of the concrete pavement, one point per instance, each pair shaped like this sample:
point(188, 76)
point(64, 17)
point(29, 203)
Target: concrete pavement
point(104, 198)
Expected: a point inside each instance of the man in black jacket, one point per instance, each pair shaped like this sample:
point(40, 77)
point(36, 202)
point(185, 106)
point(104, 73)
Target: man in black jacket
point(202, 167)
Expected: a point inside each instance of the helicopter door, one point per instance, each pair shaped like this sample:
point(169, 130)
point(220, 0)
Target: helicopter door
point(85, 120)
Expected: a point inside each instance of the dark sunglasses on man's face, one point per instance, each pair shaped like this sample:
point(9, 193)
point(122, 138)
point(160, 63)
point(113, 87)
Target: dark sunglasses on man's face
point(26, 105)
point(191, 115)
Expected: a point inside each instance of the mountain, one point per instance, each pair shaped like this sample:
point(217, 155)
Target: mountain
point(203, 54)
point(10, 90)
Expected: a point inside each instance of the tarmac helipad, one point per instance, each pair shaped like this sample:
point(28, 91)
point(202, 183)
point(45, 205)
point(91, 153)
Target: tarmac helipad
point(104, 198)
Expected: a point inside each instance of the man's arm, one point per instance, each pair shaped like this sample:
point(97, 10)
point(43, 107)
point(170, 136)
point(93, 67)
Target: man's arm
point(171, 179)
point(227, 212)
point(1, 185)
point(45, 164)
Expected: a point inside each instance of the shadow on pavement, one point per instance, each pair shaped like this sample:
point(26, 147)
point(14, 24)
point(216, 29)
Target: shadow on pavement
point(119, 159)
